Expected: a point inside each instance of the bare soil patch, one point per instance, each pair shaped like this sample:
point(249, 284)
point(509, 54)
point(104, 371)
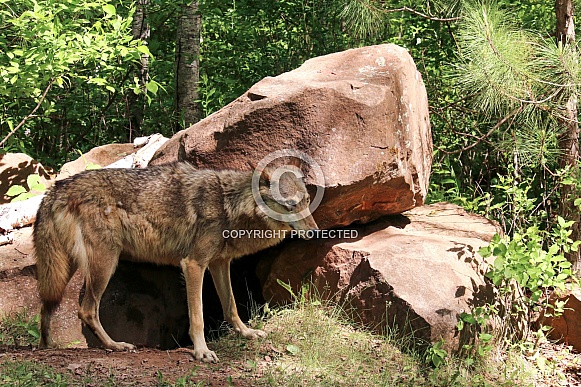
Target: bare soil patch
point(144, 366)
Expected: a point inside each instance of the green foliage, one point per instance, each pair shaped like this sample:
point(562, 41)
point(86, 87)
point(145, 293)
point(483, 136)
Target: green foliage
point(514, 206)
point(517, 77)
point(79, 53)
point(19, 329)
point(524, 260)
point(436, 354)
point(495, 59)
point(245, 41)
point(569, 178)
point(445, 185)
point(302, 295)
point(29, 373)
point(526, 268)
point(183, 381)
point(495, 122)
point(363, 18)
point(19, 193)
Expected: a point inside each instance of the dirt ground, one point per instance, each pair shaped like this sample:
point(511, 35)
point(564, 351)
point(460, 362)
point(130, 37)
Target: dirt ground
point(141, 367)
point(560, 360)
point(153, 367)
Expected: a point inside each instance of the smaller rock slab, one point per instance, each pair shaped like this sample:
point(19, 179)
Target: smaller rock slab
point(418, 271)
point(101, 155)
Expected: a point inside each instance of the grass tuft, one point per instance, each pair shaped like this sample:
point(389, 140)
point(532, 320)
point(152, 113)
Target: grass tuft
point(29, 373)
point(19, 329)
point(314, 343)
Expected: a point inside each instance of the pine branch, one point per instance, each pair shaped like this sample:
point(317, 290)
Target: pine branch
point(482, 138)
point(429, 17)
point(365, 17)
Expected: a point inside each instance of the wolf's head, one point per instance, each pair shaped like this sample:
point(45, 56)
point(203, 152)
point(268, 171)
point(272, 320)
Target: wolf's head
point(286, 197)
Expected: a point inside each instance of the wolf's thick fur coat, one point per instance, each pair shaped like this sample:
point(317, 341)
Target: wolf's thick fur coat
point(170, 214)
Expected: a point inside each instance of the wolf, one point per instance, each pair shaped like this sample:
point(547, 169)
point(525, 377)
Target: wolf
point(172, 214)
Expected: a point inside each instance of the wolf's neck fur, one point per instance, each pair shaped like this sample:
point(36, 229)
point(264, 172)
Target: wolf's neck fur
point(243, 213)
point(241, 209)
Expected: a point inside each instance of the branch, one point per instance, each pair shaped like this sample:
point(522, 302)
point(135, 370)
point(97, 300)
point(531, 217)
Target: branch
point(480, 139)
point(29, 116)
point(429, 17)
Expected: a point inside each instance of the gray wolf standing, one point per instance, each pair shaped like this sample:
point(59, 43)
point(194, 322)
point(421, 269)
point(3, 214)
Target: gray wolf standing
point(170, 214)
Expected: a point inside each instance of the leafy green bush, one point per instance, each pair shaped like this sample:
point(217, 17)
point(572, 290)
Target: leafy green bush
point(64, 73)
point(525, 260)
point(526, 268)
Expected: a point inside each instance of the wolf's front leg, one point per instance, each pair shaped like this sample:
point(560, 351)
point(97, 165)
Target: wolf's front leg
point(194, 274)
point(220, 270)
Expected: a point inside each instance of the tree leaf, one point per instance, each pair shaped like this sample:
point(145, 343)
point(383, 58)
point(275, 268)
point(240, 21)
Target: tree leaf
point(15, 190)
point(32, 180)
point(40, 187)
point(110, 9)
point(152, 87)
point(144, 50)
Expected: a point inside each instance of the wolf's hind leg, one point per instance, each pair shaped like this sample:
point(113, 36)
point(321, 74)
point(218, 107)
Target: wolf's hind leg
point(101, 266)
point(220, 270)
point(46, 311)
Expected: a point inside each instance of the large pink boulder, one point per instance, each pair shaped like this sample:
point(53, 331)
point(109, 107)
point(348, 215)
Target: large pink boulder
point(361, 115)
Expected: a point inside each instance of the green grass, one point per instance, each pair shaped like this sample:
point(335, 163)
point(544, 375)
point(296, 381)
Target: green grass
point(18, 329)
point(28, 373)
point(183, 381)
point(308, 344)
point(319, 349)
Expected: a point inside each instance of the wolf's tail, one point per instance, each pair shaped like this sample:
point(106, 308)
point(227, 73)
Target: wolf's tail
point(54, 265)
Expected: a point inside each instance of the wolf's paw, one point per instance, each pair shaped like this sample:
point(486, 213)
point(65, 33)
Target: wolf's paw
point(204, 354)
point(120, 346)
point(252, 334)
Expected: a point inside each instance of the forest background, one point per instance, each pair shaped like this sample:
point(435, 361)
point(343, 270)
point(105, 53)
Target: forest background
point(501, 78)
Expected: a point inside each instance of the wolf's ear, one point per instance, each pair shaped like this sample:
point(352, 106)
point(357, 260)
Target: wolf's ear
point(251, 164)
point(295, 162)
point(266, 173)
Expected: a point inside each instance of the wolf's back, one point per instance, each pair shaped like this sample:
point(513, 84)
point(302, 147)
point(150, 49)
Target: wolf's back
point(88, 209)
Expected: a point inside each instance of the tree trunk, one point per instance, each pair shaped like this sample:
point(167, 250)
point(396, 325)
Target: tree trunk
point(136, 103)
point(569, 138)
point(187, 64)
